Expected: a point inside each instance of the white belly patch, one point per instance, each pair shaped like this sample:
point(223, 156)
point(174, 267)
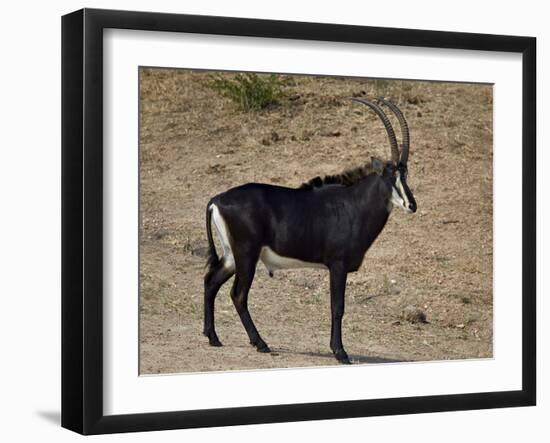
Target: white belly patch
point(269, 258)
point(274, 261)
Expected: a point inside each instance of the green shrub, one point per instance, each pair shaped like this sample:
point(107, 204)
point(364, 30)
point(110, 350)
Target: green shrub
point(249, 91)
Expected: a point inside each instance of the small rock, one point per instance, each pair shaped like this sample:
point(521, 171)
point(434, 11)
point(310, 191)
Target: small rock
point(331, 133)
point(460, 326)
point(215, 168)
point(161, 233)
point(415, 100)
point(412, 314)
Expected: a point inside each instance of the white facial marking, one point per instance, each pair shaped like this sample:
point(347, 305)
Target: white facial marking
point(402, 190)
point(223, 235)
point(274, 261)
point(398, 195)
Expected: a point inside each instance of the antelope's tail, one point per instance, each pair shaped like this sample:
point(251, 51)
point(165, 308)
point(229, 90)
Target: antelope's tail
point(212, 260)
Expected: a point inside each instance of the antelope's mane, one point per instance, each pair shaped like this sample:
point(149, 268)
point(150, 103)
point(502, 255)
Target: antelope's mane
point(347, 178)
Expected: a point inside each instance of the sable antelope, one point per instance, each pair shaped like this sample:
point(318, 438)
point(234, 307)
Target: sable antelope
point(326, 223)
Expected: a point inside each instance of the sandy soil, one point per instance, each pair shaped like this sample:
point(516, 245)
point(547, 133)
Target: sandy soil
point(195, 144)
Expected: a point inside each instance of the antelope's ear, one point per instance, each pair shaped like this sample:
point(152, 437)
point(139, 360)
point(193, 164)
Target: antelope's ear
point(377, 166)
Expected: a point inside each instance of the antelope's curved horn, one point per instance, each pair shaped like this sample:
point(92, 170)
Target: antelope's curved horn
point(387, 124)
point(404, 129)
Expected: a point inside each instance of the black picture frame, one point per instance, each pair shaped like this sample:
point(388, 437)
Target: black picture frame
point(82, 215)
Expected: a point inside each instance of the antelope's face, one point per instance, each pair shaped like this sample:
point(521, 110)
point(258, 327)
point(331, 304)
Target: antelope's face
point(402, 195)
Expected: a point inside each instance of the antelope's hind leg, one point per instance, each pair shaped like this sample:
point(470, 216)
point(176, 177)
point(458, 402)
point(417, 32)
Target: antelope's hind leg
point(213, 281)
point(245, 270)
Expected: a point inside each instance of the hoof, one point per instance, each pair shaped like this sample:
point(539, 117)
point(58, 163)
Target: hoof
point(342, 357)
point(265, 349)
point(213, 341)
point(261, 346)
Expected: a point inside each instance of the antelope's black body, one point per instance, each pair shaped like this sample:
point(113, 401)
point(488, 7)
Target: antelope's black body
point(327, 223)
point(332, 223)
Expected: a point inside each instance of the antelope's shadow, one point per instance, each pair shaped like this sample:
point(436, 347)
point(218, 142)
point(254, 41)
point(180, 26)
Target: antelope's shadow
point(355, 358)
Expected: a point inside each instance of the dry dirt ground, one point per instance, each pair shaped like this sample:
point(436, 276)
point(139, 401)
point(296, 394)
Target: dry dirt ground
point(195, 144)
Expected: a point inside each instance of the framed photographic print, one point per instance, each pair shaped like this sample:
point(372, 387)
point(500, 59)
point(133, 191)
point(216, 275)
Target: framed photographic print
point(270, 221)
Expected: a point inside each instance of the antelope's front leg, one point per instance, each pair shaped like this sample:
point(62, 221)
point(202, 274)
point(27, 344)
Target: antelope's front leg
point(338, 276)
